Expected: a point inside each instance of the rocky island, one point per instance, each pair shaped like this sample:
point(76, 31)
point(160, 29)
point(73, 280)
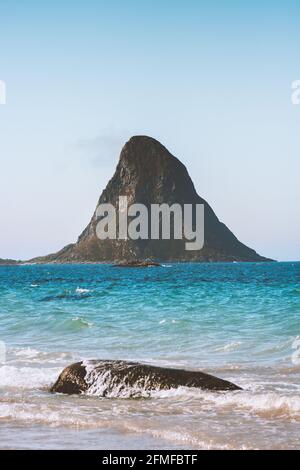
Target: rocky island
point(148, 174)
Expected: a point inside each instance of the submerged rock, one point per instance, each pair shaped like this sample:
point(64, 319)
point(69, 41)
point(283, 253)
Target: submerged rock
point(130, 379)
point(136, 264)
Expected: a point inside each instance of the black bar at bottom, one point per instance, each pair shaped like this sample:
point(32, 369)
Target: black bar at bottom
point(135, 458)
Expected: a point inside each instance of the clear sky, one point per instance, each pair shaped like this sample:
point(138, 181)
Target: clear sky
point(210, 79)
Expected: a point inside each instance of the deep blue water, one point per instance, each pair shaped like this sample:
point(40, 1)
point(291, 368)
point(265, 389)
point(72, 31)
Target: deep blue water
point(181, 311)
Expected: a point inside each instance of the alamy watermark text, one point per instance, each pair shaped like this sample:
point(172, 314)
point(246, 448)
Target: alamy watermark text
point(164, 222)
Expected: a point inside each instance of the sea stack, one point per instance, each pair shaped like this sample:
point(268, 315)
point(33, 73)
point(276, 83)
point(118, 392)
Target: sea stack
point(148, 174)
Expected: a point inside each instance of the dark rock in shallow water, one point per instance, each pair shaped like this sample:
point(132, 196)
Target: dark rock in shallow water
point(136, 264)
point(130, 379)
point(71, 380)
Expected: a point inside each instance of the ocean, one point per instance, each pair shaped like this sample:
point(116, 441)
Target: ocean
point(238, 321)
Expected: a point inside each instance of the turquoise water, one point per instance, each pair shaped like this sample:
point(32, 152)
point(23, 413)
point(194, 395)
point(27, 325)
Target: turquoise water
point(238, 321)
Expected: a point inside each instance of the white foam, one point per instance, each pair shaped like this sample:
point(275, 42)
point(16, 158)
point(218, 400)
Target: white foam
point(255, 401)
point(161, 322)
point(229, 347)
point(79, 290)
point(27, 377)
point(266, 404)
point(30, 355)
point(27, 352)
point(182, 437)
point(82, 322)
point(49, 414)
point(270, 404)
point(104, 383)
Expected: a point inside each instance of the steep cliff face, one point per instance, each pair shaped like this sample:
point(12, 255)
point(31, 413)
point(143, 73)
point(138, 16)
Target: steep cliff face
point(148, 174)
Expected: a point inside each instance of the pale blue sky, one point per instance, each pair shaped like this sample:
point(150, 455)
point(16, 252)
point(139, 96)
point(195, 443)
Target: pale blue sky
point(211, 80)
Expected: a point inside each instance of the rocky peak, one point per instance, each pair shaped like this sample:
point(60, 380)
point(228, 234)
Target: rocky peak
point(147, 173)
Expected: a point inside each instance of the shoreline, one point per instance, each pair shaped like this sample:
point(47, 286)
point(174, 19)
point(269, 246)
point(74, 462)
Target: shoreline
point(115, 262)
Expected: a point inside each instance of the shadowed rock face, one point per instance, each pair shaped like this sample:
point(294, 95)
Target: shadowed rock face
point(129, 379)
point(148, 174)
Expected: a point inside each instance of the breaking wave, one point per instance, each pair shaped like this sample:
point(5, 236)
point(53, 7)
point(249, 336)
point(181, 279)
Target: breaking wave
point(257, 402)
point(81, 323)
point(104, 383)
point(27, 377)
point(80, 290)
